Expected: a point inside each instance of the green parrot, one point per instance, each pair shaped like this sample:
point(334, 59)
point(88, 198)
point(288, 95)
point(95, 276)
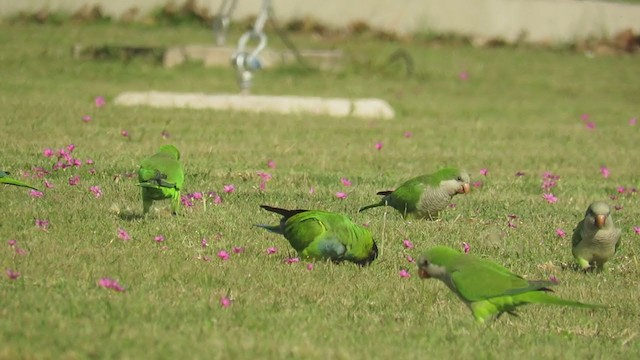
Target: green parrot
point(324, 235)
point(487, 288)
point(596, 237)
point(5, 179)
point(423, 197)
point(161, 177)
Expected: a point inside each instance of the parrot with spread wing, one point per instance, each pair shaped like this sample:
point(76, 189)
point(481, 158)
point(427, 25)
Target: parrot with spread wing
point(423, 197)
point(487, 288)
point(596, 238)
point(161, 176)
point(324, 235)
point(5, 179)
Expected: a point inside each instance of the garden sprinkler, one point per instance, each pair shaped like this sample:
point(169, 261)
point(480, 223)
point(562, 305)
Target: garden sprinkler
point(246, 62)
point(221, 21)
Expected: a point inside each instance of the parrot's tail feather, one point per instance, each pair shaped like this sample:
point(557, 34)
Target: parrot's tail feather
point(546, 298)
point(284, 212)
point(157, 184)
point(384, 192)
point(370, 206)
point(273, 228)
point(14, 182)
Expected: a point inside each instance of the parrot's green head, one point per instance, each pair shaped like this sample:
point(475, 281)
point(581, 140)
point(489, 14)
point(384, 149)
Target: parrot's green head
point(454, 181)
point(435, 261)
point(170, 149)
point(597, 214)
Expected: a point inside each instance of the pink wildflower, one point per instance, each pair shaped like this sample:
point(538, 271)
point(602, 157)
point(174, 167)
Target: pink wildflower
point(13, 275)
point(312, 190)
point(463, 75)
point(554, 279)
point(310, 266)
point(70, 148)
point(633, 121)
point(100, 101)
point(484, 172)
point(225, 302)
point(109, 283)
point(186, 202)
point(379, 145)
point(620, 189)
point(466, 247)
point(97, 192)
point(159, 238)
point(223, 255)
point(477, 184)
point(197, 195)
point(271, 250)
point(292, 260)
point(560, 233)
point(271, 164)
point(238, 250)
point(264, 176)
point(407, 243)
point(36, 194)
point(550, 198)
point(604, 171)
point(636, 229)
point(123, 234)
point(408, 134)
point(12, 242)
point(404, 273)
point(47, 152)
point(42, 224)
point(341, 195)
point(124, 133)
point(345, 181)
point(410, 258)
point(74, 180)
point(217, 199)
point(229, 188)
point(86, 118)
point(204, 243)
point(590, 125)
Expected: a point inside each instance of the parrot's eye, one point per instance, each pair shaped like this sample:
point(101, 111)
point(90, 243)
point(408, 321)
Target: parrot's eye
point(459, 178)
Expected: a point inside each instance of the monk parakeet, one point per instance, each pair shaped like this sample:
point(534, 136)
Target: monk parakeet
point(487, 288)
point(5, 179)
point(324, 235)
point(423, 197)
point(596, 237)
point(161, 177)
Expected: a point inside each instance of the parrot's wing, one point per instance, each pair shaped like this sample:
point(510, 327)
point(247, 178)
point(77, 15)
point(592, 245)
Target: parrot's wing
point(163, 170)
point(577, 236)
point(479, 279)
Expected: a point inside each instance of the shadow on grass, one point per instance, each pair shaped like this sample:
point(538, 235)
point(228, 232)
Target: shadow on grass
point(129, 216)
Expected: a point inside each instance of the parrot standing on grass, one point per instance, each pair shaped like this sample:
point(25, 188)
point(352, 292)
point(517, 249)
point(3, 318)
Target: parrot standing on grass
point(5, 179)
point(161, 177)
point(423, 197)
point(596, 238)
point(487, 288)
point(324, 235)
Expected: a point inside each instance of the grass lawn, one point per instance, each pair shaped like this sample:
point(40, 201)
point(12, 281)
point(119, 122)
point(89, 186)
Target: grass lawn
point(519, 110)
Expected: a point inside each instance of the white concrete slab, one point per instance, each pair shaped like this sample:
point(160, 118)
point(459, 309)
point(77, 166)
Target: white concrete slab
point(337, 107)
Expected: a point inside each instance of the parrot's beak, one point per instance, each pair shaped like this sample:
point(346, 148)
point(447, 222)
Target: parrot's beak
point(423, 273)
point(464, 189)
point(600, 220)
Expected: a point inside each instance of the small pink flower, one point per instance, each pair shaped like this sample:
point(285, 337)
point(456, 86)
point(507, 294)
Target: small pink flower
point(584, 117)
point(379, 145)
point(484, 172)
point(271, 250)
point(554, 279)
point(223, 255)
point(186, 202)
point(197, 195)
point(520, 173)
point(86, 118)
point(312, 190)
point(560, 233)
point(96, 191)
point(262, 186)
point(404, 273)
point(292, 260)
point(21, 251)
point(636, 229)
point(590, 125)
point(477, 184)
point(100, 101)
point(42, 224)
point(620, 189)
point(229, 188)
point(407, 243)
point(124, 133)
point(12, 242)
point(463, 75)
point(309, 266)
point(345, 181)
point(217, 199)
point(159, 238)
point(70, 148)
point(550, 198)
point(466, 247)
point(633, 121)
point(408, 134)
point(238, 250)
point(410, 258)
point(13, 275)
point(264, 176)
point(109, 283)
point(47, 152)
point(89, 162)
point(225, 302)
point(76, 162)
point(123, 234)
point(341, 195)
point(74, 180)
point(204, 243)
point(36, 194)
point(271, 164)
point(604, 171)
point(165, 134)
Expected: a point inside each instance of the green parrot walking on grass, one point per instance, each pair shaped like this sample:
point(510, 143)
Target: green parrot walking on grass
point(596, 238)
point(5, 179)
point(423, 197)
point(161, 176)
point(487, 288)
point(324, 235)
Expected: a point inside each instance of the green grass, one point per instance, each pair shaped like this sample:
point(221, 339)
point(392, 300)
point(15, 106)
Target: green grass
point(519, 111)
